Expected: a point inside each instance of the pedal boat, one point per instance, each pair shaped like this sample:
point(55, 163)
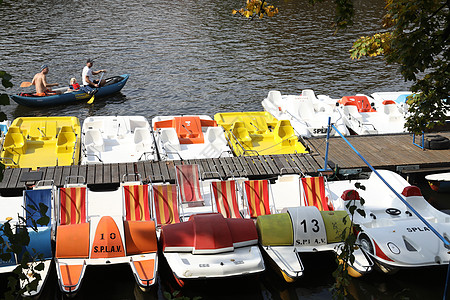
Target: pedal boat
point(439, 182)
point(33, 142)
point(210, 246)
point(390, 234)
point(362, 117)
point(41, 235)
point(307, 113)
point(398, 97)
point(302, 220)
point(259, 133)
point(189, 137)
point(116, 139)
point(115, 230)
point(113, 85)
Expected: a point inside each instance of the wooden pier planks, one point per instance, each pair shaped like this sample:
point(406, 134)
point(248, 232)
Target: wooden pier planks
point(213, 168)
point(381, 151)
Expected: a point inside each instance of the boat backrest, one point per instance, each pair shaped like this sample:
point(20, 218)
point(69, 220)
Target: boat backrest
point(93, 139)
point(136, 202)
point(257, 195)
point(188, 181)
point(390, 108)
point(142, 136)
point(215, 135)
point(225, 198)
point(137, 123)
point(66, 139)
point(15, 139)
point(314, 193)
point(169, 136)
point(284, 133)
point(275, 98)
point(165, 202)
point(72, 205)
point(32, 202)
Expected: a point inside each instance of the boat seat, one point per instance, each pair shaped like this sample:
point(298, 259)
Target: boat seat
point(66, 140)
point(350, 109)
point(136, 202)
point(305, 108)
point(165, 200)
point(275, 98)
point(73, 208)
point(93, 140)
point(33, 198)
point(242, 134)
point(216, 136)
point(284, 133)
point(225, 197)
point(257, 195)
point(138, 124)
point(169, 139)
point(314, 193)
point(142, 139)
point(15, 141)
point(188, 180)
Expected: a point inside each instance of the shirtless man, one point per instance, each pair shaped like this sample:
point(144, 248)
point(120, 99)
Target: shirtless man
point(40, 82)
point(88, 74)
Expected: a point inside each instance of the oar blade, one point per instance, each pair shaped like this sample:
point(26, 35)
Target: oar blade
point(25, 84)
point(91, 100)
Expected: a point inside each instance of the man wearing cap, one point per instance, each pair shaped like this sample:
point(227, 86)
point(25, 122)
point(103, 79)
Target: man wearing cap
point(40, 82)
point(88, 74)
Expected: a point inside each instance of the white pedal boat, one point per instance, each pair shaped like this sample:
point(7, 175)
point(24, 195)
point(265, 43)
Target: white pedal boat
point(391, 234)
point(398, 97)
point(116, 139)
point(189, 137)
point(114, 227)
point(307, 113)
point(202, 237)
point(362, 116)
point(28, 207)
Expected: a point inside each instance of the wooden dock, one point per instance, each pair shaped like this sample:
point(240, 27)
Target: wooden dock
point(265, 166)
point(394, 152)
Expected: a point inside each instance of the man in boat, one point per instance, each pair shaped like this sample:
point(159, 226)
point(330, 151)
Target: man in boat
point(40, 82)
point(88, 75)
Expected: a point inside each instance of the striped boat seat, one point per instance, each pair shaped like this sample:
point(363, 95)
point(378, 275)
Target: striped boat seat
point(166, 204)
point(257, 194)
point(136, 202)
point(225, 198)
point(72, 205)
point(314, 193)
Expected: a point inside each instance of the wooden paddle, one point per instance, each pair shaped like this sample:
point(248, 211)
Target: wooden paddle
point(93, 95)
point(26, 84)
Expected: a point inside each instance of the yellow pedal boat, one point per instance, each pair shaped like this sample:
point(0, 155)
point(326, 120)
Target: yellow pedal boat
point(33, 142)
point(258, 133)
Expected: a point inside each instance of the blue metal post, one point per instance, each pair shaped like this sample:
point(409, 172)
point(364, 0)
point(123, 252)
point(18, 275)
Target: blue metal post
point(325, 167)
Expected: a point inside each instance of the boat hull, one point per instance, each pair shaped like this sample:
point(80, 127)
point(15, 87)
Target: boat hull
point(76, 96)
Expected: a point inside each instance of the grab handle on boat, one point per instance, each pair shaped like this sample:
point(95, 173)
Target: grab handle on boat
point(131, 174)
point(74, 176)
point(6, 158)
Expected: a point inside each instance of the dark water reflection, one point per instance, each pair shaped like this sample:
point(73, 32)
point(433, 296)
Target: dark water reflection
point(191, 57)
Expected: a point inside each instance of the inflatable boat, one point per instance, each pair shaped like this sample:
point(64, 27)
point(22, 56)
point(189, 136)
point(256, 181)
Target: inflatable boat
point(189, 137)
point(259, 133)
point(307, 113)
point(113, 85)
point(33, 142)
point(116, 139)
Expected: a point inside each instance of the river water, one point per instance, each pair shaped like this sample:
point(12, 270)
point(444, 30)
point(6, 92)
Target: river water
point(194, 57)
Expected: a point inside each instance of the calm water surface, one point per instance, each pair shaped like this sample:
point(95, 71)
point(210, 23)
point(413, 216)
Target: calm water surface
point(194, 57)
